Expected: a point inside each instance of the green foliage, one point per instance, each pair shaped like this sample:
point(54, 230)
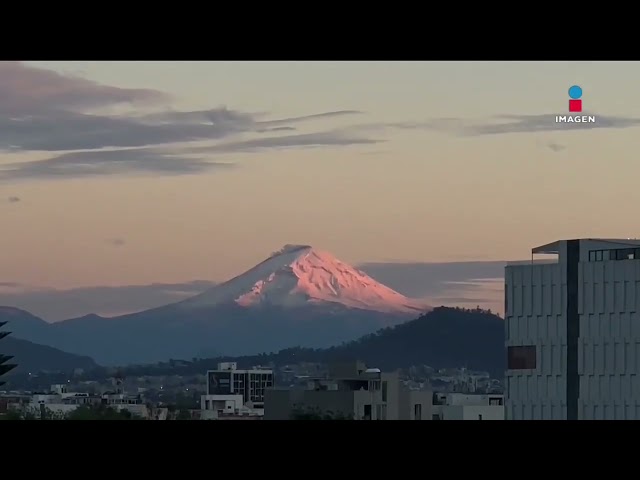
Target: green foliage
point(33, 413)
point(12, 415)
point(96, 412)
point(301, 413)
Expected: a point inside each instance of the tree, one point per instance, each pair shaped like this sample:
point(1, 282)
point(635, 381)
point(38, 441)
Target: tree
point(5, 367)
point(99, 412)
point(33, 412)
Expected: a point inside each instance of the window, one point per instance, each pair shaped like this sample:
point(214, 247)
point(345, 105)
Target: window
point(417, 410)
point(506, 302)
point(435, 416)
point(384, 391)
point(599, 256)
point(367, 412)
point(592, 256)
point(521, 358)
point(629, 254)
point(495, 401)
point(479, 417)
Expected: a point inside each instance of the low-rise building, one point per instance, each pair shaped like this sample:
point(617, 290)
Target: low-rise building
point(460, 406)
point(59, 402)
point(354, 391)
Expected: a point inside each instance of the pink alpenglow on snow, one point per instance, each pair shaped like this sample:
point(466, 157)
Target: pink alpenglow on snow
point(300, 275)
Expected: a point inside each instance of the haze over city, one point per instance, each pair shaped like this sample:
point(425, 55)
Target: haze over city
point(189, 173)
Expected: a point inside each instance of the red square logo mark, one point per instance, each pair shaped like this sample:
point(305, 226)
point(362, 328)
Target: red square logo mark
point(575, 105)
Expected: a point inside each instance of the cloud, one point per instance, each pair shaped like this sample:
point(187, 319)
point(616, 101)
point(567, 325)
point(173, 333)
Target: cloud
point(107, 162)
point(45, 111)
point(25, 89)
point(14, 199)
point(432, 279)
point(504, 124)
point(65, 130)
point(54, 305)
point(319, 139)
point(116, 242)
point(447, 283)
point(276, 129)
point(316, 116)
point(92, 163)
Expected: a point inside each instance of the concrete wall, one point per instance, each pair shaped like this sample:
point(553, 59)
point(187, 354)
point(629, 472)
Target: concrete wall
point(535, 297)
point(469, 412)
point(337, 402)
point(278, 404)
point(609, 348)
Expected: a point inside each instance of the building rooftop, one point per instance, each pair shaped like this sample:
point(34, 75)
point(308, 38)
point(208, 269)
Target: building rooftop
point(554, 247)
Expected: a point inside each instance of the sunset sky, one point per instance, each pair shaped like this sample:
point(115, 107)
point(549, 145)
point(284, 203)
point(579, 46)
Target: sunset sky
point(134, 173)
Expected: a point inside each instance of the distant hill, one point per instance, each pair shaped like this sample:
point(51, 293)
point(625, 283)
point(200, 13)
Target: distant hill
point(444, 337)
point(32, 357)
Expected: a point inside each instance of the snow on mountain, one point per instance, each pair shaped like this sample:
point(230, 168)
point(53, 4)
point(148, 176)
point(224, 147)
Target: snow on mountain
point(300, 275)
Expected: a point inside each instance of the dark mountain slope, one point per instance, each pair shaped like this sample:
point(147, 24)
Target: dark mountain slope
point(31, 357)
point(444, 337)
point(172, 332)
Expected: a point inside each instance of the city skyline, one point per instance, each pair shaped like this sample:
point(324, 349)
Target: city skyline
point(190, 171)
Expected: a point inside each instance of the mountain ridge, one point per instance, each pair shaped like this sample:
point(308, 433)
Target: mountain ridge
point(442, 338)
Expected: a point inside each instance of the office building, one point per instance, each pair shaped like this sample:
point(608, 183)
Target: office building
point(573, 332)
point(233, 392)
point(353, 391)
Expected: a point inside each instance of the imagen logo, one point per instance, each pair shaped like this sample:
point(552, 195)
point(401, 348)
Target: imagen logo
point(575, 106)
point(575, 94)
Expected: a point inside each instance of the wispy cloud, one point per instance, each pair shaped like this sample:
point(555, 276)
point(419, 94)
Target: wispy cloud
point(44, 111)
point(14, 199)
point(108, 162)
point(54, 305)
point(26, 89)
point(319, 139)
point(422, 280)
point(505, 124)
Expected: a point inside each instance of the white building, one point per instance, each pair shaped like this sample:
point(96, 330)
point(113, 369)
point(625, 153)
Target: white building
point(461, 406)
point(59, 402)
point(573, 332)
point(233, 392)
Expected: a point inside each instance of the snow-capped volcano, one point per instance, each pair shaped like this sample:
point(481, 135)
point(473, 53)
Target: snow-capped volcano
point(298, 275)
